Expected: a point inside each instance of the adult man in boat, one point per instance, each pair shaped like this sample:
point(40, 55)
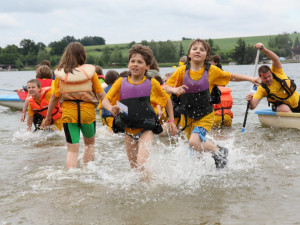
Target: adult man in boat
point(277, 87)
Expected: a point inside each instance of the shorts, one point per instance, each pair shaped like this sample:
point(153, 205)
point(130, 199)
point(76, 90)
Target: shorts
point(201, 131)
point(72, 131)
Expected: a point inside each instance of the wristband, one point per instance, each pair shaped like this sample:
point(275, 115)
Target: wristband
point(169, 121)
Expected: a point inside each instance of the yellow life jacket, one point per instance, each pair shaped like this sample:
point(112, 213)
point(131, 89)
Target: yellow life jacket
point(77, 85)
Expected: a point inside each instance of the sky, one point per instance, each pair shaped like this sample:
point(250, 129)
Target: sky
point(119, 21)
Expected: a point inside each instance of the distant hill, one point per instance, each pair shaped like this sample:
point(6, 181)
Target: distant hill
point(224, 44)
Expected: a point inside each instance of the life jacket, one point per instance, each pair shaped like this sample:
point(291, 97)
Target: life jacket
point(196, 102)
point(45, 82)
point(288, 85)
point(42, 107)
point(77, 85)
point(226, 103)
point(140, 112)
point(106, 113)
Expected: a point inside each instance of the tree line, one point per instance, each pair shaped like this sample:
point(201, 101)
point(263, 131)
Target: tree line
point(30, 53)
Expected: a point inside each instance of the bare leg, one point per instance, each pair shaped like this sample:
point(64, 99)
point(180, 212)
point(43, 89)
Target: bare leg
point(89, 149)
point(132, 150)
point(195, 143)
point(72, 155)
point(145, 142)
point(283, 108)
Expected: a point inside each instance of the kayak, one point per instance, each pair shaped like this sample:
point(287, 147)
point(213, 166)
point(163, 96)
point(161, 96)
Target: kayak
point(270, 118)
point(12, 101)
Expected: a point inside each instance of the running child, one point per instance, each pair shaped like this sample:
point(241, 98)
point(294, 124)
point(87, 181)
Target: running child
point(77, 85)
point(140, 94)
point(194, 82)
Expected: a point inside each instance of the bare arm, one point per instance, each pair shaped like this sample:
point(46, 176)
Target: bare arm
point(253, 101)
point(101, 95)
point(108, 106)
point(241, 77)
point(271, 55)
point(176, 90)
point(52, 103)
point(29, 122)
point(171, 124)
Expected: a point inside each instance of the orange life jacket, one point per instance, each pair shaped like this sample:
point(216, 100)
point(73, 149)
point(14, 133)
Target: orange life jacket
point(45, 82)
point(226, 102)
point(42, 108)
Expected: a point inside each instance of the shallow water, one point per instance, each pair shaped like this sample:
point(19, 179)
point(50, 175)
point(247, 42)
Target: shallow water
point(260, 186)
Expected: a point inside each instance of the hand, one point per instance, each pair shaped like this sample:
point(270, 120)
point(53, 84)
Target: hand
point(172, 128)
point(23, 116)
point(180, 90)
point(46, 122)
point(256, 81)
point(259, 46)
point(159, 112)
point(249, 97)
point(115, 110)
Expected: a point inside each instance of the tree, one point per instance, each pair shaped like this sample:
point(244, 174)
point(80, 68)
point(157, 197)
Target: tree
point(42, 55)
point(28, 46)
point(106, 55)
point(239, 51)
point(181, 51)
point(297, 42)
point(281, 44)
point(58, 47)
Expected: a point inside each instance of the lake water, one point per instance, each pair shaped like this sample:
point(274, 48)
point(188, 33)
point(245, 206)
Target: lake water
point(260, 186)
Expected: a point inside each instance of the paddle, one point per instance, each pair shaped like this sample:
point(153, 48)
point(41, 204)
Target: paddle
point(252, 90)
point(7, 90)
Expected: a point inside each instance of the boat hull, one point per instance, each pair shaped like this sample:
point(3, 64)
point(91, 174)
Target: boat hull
point(278, 119)
point(11, 101)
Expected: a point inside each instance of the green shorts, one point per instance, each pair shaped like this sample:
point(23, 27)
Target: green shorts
point(72, 131)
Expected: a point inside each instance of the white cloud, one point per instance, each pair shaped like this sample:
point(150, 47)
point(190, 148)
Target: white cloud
point(119, 21)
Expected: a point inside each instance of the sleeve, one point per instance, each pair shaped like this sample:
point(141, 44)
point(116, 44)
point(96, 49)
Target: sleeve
point(279, 72)
point(96, 84)
point(176, 79)
point(113, 95)
point(218, 77)
point(56, 87)
point(158, 96)
point(260, 93)
point(30, 111)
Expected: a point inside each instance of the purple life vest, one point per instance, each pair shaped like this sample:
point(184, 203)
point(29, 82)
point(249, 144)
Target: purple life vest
point(129, 90)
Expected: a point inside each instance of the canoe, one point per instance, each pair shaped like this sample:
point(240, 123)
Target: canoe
point(12, 101)
point(270, 118)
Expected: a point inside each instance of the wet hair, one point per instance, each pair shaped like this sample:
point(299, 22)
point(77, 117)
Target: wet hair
point(111, 76)
point(154, 65)
point(124, 73)
point(144, 51)
point(183, 59)
point(98, 70)
point(73, 56)
point(45, 62)
point(263, 69)
point(44, 72)
point(168, 75)
point(35, 81)
point(158, 78)
point(205, 45)
point(216, 59)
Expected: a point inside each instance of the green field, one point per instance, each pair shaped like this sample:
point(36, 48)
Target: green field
point(224, 44)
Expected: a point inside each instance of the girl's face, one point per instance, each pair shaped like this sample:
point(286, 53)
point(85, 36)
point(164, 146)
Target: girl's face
point(137, 65)
point(198, 53)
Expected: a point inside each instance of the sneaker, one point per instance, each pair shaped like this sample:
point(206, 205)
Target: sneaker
point(220, 157)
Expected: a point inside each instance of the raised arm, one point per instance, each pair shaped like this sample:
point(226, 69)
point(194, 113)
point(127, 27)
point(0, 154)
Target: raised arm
point(271, 55)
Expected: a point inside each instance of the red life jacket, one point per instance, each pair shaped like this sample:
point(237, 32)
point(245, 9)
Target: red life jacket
point(226, 102)
point(42, 108)
point(45, 82)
